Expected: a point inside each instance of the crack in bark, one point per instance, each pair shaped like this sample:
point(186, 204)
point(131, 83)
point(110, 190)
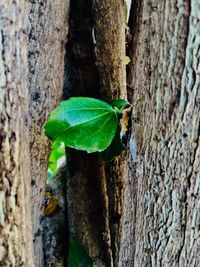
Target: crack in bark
point(3, 51)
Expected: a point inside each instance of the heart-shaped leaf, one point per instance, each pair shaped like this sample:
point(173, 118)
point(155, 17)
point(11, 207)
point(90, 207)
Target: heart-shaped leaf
point(83, 123)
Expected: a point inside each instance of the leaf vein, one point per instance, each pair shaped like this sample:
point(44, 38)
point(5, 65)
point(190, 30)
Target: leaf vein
point(80, 123)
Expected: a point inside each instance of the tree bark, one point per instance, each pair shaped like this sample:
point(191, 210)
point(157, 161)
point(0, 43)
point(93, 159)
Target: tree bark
point(31, 80)
point(47, 32)
point(109, 21)
point(161, 218)
point(15, 178)
point(140, 211)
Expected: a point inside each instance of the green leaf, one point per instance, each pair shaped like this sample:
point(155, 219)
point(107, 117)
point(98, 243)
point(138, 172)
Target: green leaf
point(114, 149)
point(120, 104)
point(83, 123)
point(116, 146)
point(77, 256)
point(57, 152)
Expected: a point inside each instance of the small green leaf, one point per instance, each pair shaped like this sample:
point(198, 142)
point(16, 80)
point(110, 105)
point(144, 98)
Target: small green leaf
point(57, 152)
point(114, 149)
point(119, 103)
point(83, 123)
point(77, 256)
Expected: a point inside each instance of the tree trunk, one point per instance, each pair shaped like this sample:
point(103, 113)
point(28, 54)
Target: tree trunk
point(15, 178)
point(143, 208)
point(47, 32)
point(31, 80)
point(161, 218)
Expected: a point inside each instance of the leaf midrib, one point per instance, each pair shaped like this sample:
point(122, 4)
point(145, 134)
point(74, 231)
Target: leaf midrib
point(81, 123)
point(85, 109)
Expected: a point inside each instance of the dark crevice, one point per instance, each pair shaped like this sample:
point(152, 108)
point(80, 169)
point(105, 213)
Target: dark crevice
point(3, 56)
point(134, 26)
point(81, 76)
point(181, 57)
point(83, 191)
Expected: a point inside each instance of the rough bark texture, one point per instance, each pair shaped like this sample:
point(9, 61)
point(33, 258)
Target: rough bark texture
point(15, 179)
point(161, 219)
point(23, 110)
point(109, 32)
point(47, 32)
point(148, 216)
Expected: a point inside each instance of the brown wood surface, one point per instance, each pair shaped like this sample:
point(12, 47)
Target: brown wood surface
point(47, 34)
point(161, 219)
point(138, 211)
point(15, 178)
point(109, 29)
point(32, 46)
